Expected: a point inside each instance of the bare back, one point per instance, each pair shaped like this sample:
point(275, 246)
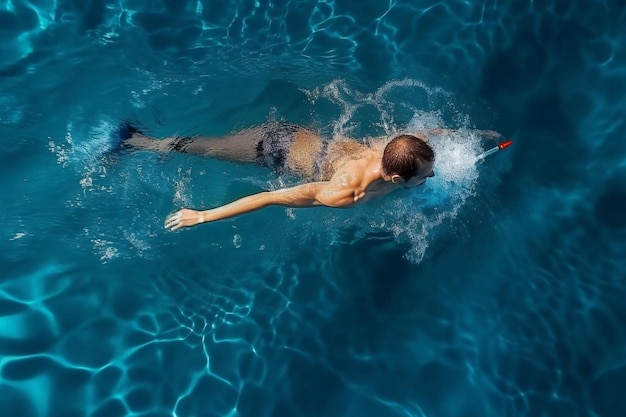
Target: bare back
point(312, 158)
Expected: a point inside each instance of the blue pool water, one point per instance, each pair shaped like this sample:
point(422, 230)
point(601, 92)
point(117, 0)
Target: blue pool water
point(495, 290)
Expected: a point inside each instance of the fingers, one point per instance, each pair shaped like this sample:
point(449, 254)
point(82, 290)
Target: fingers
point(183, 218)
point(174, 221)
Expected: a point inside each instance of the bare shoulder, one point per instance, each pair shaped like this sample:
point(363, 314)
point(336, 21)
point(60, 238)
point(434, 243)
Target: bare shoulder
point(350, 173)
point(333, 194)
point(340, 154)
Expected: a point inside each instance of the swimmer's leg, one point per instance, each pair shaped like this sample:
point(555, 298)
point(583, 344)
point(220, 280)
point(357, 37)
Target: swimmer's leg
point(277, 146)
point(300, 153)
point(237, 147)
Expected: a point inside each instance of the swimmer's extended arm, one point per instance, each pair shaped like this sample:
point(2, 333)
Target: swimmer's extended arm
point(489, 134)
point(326, 193)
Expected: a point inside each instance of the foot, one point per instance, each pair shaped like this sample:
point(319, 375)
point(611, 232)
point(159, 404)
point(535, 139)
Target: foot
point(141, 141)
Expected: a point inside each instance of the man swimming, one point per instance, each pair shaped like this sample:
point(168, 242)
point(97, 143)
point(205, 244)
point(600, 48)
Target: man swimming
point(340, 173)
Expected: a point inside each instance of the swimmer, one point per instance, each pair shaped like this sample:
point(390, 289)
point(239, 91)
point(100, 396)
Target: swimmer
point(340, 173)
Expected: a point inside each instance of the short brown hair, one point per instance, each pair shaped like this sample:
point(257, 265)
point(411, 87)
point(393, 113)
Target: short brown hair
point(404, 156)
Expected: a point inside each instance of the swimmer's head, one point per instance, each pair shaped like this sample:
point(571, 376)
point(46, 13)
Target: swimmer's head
point(408, 158)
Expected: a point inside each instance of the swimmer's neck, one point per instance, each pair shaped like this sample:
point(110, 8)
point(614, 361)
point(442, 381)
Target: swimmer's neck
point(377, 183)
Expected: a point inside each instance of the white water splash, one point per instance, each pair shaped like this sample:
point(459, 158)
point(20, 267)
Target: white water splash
point(416, 217)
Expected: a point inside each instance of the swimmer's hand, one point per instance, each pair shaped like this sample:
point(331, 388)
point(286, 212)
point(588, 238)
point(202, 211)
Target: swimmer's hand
point(490, 134)
point(183, 218)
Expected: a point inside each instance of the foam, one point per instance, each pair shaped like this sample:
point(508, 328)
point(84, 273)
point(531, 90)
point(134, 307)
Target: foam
point(407, 106)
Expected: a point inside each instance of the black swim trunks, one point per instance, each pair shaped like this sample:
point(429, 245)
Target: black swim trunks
point(276, 138)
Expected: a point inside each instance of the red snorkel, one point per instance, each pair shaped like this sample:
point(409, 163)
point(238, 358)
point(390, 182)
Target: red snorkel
point(493, 150)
